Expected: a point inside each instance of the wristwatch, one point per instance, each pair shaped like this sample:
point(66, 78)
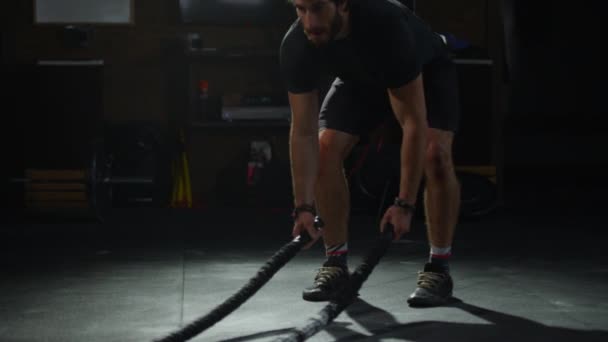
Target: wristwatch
point(303, 208)
point(403, 204)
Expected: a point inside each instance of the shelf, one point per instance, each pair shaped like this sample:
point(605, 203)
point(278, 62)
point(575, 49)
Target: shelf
point(473, 61)
point(232, 53)
point(241, 123)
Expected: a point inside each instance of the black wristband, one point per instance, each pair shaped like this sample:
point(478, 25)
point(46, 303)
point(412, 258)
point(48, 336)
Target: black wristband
point(404, 205)
point(303, 208)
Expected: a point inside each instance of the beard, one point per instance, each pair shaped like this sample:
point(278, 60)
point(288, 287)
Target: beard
point(334, 28)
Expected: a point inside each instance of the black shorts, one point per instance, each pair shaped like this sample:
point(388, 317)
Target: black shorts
point(358, 110)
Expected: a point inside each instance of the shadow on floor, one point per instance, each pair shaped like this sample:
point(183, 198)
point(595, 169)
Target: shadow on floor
point(500, 327)
point(381, 325)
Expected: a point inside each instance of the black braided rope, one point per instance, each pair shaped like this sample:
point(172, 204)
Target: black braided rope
point(335, 307)
point(278, 260)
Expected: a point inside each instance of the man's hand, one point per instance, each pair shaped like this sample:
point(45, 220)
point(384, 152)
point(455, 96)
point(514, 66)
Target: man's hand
point(400, 219)
point(306, 222)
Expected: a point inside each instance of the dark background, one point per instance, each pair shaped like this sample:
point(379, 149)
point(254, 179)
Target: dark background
point(535, 114)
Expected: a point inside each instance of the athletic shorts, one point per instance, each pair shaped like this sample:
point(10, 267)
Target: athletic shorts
point(357, 109)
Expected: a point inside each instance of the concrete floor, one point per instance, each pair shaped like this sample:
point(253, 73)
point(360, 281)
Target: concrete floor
point(145, 273)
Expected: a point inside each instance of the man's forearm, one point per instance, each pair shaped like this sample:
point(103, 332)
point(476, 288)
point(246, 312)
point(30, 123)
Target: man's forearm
point(412, 159)
point(304, 155)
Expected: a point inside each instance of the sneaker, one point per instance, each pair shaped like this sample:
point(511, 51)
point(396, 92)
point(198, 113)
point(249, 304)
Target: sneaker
point(434, 287)
point(330, 282)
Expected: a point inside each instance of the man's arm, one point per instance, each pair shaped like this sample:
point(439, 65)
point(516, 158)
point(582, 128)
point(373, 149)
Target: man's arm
point(409, 106)
point(304, 145)
point(304, 155)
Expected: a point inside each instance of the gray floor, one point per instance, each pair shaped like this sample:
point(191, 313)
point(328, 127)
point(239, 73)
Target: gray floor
point(145, 274)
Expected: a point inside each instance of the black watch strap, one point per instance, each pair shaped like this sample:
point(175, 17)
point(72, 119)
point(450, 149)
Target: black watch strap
point(303, 208)
point(403, 204)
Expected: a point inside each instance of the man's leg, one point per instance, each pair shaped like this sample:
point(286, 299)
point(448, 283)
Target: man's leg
point(442, 205)
point(333, 204)
point(442, 192)
point(331, 193)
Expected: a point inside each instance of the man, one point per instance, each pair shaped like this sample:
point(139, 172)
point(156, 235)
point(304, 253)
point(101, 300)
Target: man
point(387, 62)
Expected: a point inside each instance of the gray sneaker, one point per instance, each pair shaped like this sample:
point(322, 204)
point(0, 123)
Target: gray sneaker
point(330, 282)
point(434, 288)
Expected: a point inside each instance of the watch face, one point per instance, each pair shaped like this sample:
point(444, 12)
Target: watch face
point(403, 204)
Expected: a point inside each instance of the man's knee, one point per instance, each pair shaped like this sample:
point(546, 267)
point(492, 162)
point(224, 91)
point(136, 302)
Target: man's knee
point(333, 150)
point(329, 158)
point(438, 161)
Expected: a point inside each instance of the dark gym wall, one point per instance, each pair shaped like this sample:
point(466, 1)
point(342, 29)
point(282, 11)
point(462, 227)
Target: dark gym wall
point(137, 80)
point(134, 84)
point(554, 131)
point(551, 52)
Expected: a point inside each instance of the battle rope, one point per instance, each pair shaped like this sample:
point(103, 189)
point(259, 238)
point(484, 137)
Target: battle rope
point(335, 307)
point(278, 260)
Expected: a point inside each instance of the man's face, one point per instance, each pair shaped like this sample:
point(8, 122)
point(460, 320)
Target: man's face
point(320, 18)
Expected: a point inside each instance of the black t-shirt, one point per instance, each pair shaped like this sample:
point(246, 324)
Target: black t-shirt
point(387, 47)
